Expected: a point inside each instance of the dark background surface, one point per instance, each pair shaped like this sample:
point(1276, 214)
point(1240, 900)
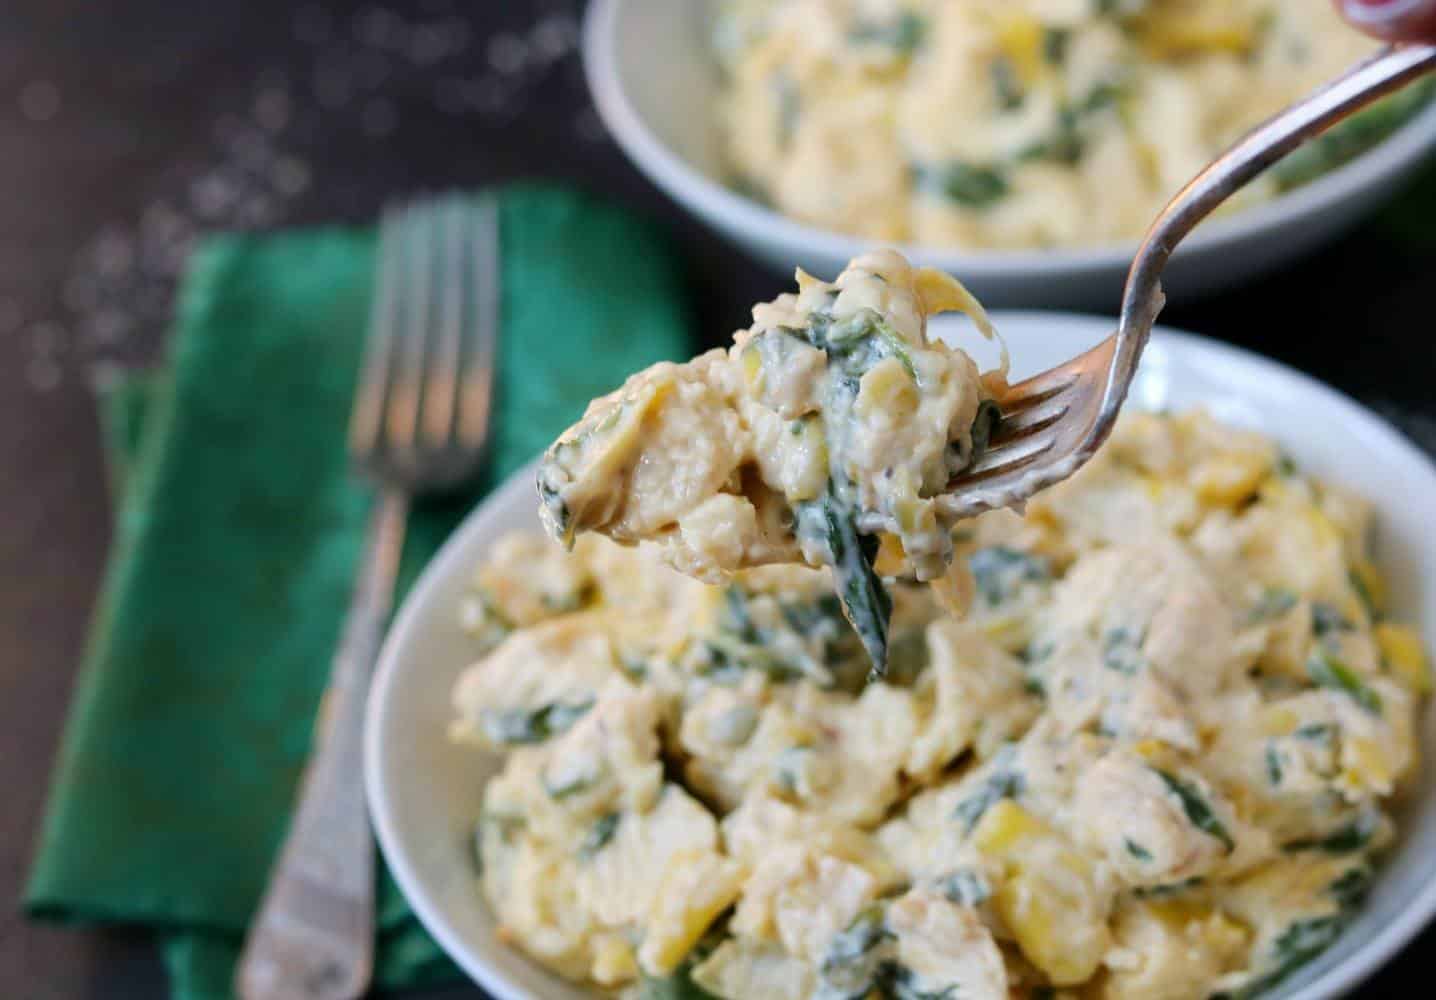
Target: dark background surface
point(129, 126)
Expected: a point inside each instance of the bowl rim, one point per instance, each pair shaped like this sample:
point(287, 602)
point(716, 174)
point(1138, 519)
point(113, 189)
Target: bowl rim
point(458, 551)
point(711, 199)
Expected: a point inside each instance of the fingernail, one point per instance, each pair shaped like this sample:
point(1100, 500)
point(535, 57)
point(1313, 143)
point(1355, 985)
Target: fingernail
point(1374, 11)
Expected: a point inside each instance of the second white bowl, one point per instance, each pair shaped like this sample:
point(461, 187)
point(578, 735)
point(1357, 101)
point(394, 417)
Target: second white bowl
point(655, 85)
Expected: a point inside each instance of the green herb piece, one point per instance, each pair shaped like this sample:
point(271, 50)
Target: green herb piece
point(1297, 945)
point(904, 34)
point(965, 887)
point(1010, 95)
point(1351, 888)
point(1122, 650)
point(729, 656)
point(1286, 465)
point(984, 426)
point(1067, 143)
point(1325, 670)
point(866, 602)
point(1368, 601)
point(1137, 850)
point(789, 102)
point(1274, 602)
point(1169, 890)
point(555, 511)
point(1317, 732)
point(787, 764)
point(852, 945)
point(1198, 811)
point(1352, 137)
point(569, 786)
point(599, 835)
point(1054, 45)
point(1349, 838)
point(1273, 765)
point(1002, 784)
point(1325, 619)
point(635, 668)
point(680, 985)
point(739, 621)
point(964, 184)
point(1000, 572)
point(902, 984)
point(521, 725)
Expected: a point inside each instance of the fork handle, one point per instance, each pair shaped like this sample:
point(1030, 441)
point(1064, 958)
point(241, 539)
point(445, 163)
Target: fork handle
point(1390, 69)
point(313, 935)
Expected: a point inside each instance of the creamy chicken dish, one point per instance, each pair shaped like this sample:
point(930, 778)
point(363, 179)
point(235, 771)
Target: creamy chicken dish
point(831, 421)
point(1153, 758)
point(1024, 123)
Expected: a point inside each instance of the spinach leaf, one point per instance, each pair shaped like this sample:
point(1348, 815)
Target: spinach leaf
point(854, 942)
point(1000, 571)
point(1010, 95)
point(599, 835)
point(904, 34)
point(679, 984)
point(1054, 45)
point(1002, 784)
point(1317, 732)
point(1326, 619)
point(567, 787)
point(1274, 602)
point(1352, 837)
point(555, 511)
point(966, 887)
point(1326, 670)
point(866, 602)
point(789, 101)
point(1352, 137)
point(966, 184)
point(1136, 850)
point(984, 426)
point(521, 725)
point(1273, 764)
point(1168, 890)
point(1351, 888)
point(1122, 650)
point(1297, 945)
point(1198, 811)
point(1363, 592)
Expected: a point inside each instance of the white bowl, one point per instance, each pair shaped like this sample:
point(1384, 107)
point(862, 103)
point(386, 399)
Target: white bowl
point(425, 792)
point(654, 82)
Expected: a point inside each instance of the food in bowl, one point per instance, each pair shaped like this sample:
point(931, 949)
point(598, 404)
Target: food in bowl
point(1153, 759)
point(831, 421)
point(1021, 124)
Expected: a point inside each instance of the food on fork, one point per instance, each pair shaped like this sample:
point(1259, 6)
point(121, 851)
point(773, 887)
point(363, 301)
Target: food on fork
point(1155, 758)
point(833, 421)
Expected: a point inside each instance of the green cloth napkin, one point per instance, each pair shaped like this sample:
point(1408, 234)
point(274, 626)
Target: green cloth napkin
point(236, 539)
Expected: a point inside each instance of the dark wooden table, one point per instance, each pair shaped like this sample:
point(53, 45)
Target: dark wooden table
point(127, 126)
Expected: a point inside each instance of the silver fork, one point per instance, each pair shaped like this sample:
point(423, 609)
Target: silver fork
point(1053, 422)
point(419, 424)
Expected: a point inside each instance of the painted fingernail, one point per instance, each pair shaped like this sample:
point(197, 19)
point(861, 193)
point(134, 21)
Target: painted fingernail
point(1380, 10)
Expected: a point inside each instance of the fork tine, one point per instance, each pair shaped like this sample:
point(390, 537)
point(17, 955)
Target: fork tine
point(1009, 456)
point(441, 391)
point(482, 328)
point(407, 390)
point(367, 418)
point(1029, 417)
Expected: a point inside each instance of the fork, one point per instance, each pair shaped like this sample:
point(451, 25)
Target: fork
point(419, 424)
point(1053, 422)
